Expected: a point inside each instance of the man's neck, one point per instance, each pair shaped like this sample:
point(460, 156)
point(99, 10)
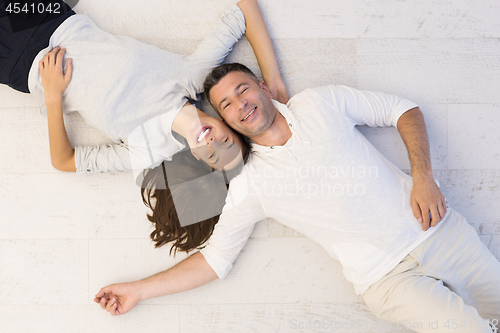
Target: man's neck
point(276, 135)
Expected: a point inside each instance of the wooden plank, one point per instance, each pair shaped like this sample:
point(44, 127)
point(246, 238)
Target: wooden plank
point(299, 19)
point(11, 98)
point(473, 138)
point(37, 206)
point(268, 270)
point(87, 318)
point(45, 318)
point(44, 272)
point(431, 71)
point(24, 143)
point(474, 194)
point(276, 229)
point(492, 242)
point(277, 318)
point(142, 318)
point(386, 19)
point(313, 62)
point(24, 140)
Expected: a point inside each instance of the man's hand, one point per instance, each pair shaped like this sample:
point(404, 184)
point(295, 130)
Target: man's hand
point(119, 298)
point(51, 70)
point(190, 273)
point(427, 201)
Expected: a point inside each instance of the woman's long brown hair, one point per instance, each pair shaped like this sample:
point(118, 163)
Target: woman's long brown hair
point(159, 191)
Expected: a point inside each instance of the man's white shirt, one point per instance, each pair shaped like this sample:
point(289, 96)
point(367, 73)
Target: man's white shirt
point(329, 183)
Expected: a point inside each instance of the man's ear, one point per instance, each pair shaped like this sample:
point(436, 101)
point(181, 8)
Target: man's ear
point(195, 155)
point(264, 87)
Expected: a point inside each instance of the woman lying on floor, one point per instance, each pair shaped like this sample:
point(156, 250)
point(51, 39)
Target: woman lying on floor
point(137, 94)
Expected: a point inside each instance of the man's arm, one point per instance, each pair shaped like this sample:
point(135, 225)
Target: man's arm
point(258, 36)
point(378, 109)
point(55, 82)
point(426, 198)
point(211, 52)
point(242, 210)
point(190, 273)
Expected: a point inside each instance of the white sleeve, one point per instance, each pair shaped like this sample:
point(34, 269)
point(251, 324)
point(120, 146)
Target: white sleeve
point(363, 107)
point(242, 210)
point(213, 49)
point(108, 158)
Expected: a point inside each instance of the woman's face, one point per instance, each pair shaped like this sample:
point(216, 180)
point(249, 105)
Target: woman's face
point(215, 143)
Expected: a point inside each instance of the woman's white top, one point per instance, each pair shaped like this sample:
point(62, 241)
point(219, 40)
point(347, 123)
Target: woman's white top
point(131, 91)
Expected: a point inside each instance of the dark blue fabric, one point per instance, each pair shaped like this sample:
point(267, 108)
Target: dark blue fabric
point(19, 49)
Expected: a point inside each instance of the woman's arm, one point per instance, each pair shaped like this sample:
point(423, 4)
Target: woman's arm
point(55, 82)
point(258, 36)
point(213, 49)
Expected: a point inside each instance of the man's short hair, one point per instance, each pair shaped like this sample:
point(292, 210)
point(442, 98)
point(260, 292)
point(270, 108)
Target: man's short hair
point(220, 72)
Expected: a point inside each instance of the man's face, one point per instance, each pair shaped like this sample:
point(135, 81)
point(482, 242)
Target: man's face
point(244, 104)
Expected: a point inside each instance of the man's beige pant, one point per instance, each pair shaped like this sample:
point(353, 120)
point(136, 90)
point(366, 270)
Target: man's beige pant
point(449, 283)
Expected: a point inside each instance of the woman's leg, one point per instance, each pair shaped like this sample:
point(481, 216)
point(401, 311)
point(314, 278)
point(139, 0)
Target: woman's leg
point(22, 38)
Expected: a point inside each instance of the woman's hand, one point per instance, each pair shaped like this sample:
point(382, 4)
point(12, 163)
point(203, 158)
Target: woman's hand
point(55, 82)
point(278, 91)
point(54, 79)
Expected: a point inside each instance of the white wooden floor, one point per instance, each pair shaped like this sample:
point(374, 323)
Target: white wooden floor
point(63, 237)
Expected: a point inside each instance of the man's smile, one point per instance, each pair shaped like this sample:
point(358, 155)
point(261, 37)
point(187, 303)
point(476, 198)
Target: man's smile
point(249, 114)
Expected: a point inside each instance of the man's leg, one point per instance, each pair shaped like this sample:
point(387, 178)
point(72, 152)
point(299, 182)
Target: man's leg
point(410, 299)
point(457, 256)
point(418, 289)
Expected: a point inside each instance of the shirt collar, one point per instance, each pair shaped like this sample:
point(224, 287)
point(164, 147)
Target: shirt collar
point(283, 110)
point(291, 121)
